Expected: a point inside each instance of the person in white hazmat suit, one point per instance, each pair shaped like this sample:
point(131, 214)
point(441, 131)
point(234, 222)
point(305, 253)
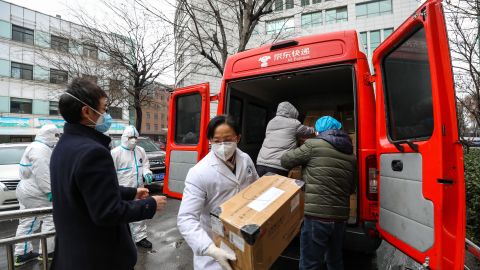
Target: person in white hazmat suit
point(220, 175)
point(132, 165)
point(33, 191)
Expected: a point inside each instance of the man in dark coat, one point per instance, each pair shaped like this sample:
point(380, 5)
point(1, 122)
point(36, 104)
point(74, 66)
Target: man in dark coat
point(328, 168)
point(91, 211)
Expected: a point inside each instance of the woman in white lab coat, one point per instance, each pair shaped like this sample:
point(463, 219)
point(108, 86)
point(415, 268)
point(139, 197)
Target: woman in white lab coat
point(221, 174)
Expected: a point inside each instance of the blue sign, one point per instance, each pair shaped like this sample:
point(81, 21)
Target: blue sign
point(15, 122)
point(46, 121)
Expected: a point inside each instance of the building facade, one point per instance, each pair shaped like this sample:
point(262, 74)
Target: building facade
point(374, 20)
point(155, 114)
point(29, 84)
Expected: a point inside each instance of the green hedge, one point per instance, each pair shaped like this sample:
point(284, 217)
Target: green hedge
point(472, 179)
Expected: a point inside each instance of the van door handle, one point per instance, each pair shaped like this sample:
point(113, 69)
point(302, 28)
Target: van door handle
point(397, 165)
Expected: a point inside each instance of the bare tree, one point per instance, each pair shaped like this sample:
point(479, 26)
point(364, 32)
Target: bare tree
point(463, 19)
point(135, 48)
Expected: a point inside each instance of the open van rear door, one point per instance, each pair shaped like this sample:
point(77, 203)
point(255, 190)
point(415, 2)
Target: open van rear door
point(189, 111)
point(421, 182)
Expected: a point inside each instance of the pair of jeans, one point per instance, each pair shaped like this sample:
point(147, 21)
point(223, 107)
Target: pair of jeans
point(262, 170)
point(321, 241)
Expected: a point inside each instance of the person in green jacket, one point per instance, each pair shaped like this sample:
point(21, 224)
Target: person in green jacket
point(328, 168)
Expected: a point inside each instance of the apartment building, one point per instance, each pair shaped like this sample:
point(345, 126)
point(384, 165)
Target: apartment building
point(155, 114)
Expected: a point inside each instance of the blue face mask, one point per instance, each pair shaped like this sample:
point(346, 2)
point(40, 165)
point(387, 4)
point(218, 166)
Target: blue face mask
point(104, 122)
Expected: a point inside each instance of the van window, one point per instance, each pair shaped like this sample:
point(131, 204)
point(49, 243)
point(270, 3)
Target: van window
point(188, 116)
point(255, 123)
point(235, 110)
point(408, 89)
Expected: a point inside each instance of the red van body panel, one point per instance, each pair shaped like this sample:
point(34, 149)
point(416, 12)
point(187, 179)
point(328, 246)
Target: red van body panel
point(442, 154)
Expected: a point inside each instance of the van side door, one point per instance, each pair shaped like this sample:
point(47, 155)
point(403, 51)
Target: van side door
point(420, 159)
point(189, 111)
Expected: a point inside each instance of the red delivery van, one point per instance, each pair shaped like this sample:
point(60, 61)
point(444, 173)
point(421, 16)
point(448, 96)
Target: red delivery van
point(410, 189)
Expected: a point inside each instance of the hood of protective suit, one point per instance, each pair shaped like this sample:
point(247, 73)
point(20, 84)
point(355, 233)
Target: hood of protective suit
point(129, 131)
point(47, 134)
point(286, 109)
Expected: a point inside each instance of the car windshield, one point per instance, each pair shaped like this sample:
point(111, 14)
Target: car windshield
point(146, 144)
point(11, 155)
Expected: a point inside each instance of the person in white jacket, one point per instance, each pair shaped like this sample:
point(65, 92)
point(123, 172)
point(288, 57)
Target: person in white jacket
point(221, 174)
point(132, 165)
point(33, 191)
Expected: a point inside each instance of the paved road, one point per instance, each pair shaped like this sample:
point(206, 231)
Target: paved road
point(171, 252)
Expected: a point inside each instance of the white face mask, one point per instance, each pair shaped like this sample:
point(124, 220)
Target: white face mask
point(132, 143)
point(224, 150)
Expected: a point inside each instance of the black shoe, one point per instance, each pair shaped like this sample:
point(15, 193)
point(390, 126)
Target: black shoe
point(25, 258)
point(144, 243)
point(50, 257)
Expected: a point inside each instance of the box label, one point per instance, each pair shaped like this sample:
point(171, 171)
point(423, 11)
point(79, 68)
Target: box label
point(295, 202)
point(265, 199)
point(237, 241)
point(217, 225)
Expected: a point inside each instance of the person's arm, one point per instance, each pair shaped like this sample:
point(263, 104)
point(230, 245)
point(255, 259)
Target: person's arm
point(295, 157)
point(188, 220)
point(304, 131)
point(146, 162)
point(128, 193)
point(96, 180)
point(40, 157)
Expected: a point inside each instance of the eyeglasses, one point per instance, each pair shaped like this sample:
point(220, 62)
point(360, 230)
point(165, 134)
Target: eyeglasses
point(230, 139)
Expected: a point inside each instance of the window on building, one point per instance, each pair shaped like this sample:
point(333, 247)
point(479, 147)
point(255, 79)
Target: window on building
point(21, 105)
point(316, 1)
point(22, 71)
point(91, 78)
point(336, 15)
point(288, 4)
point(363, 37)
point(304, 3)
point(148, 126)
point(22, 34)
point(155, 116)
point(278, 5)
point(58, 76)
point(90, 51)
point(156, 127)
point(53, 108)
point(279, 25)
point(387, 32)
point(312, 19)
point(148, 115)
point(375, 40)
point(115, 112)
point(59, 43)
point(374, 8)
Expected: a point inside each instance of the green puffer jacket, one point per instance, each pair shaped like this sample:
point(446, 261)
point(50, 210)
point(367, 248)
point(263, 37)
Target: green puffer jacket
point(328, 169)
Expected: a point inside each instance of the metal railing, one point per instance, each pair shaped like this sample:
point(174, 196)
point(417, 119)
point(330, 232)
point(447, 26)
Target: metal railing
point(11, 241)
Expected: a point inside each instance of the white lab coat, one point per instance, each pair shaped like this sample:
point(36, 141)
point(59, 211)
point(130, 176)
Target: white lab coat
point(208, 184)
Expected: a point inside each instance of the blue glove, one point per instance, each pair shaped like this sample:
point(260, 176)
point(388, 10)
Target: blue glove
point(49, 196)
point(149, 179)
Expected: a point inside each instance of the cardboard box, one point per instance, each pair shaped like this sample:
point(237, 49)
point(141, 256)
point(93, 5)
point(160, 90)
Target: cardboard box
point(260, 221)
point(353, 137)
point(312, 116)
point(348, 121)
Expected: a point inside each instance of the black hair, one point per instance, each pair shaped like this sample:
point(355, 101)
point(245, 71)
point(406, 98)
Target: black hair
point(85, 90)
point(220, 120)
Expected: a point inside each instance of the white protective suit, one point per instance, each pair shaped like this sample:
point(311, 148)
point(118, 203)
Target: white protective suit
point(34, 188)
point(132, 166)
point(208, 184)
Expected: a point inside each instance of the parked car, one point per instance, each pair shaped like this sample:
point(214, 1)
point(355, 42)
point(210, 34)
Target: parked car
point(10, 156)
point(155, 155)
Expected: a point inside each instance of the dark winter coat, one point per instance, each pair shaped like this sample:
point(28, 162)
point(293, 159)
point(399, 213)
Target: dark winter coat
point(91, 211)
point(328, 167)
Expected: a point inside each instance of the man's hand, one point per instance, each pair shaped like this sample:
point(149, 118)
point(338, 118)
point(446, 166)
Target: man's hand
point(142, 193)
point(221, 256)
point(161, 202)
